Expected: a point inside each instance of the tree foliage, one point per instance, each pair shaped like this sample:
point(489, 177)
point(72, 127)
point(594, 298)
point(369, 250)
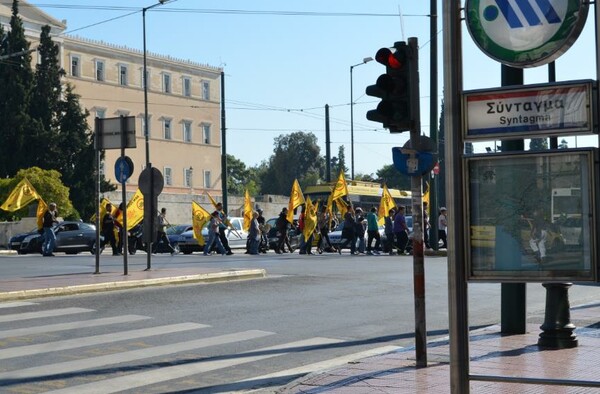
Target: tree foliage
point(393, 178)
point(43, 124)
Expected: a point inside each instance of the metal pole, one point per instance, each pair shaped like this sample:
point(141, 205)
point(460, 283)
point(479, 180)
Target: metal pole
point(457, 284)
point(351, 125)
point(433, 121)
point(145, 79)
point(224, 145)
point(98, 127)
point(327, 146)
point(124, 198)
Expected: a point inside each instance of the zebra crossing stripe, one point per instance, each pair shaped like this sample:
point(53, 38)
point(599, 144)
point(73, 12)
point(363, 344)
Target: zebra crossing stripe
point(42, 314)
point(56, 369)
point(15, 304)
point(75, 343)
point(155, 376)
point(20, 332)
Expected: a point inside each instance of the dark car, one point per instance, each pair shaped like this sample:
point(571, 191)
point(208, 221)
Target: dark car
point(273, 235)
point(136, 239)
point(71, 238)
point(15, 241)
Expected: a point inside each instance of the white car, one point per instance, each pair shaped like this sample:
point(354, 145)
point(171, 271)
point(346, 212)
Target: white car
point(235, 235)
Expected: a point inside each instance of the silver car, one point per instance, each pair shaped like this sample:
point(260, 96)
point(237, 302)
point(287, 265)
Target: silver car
point(235, 235)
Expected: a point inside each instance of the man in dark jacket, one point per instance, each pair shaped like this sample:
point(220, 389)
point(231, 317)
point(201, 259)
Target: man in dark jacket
point(282, 231)
point(47, 224)
point(108, 230)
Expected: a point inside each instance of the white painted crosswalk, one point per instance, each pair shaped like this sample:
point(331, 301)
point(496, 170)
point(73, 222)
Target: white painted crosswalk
point(68, 373)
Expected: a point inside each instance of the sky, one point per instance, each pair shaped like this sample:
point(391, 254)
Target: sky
point(285, 60)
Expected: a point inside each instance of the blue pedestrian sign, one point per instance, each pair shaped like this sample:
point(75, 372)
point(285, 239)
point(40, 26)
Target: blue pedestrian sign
point(412, 163)
point(525, 33)
point(123, 169)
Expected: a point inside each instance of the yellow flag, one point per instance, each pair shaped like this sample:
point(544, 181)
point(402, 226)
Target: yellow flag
point(212, 200)
point(200, 217)
point(41, 210)
point(310, 219)
point(296, 199)
point(23, 194)
point(387, 203)
point(426, 196)
point(340, 189)
point(135, 210)
point(247, 211)
point(341, 206)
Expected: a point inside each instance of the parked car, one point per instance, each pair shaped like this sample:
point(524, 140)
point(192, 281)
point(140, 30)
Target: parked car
point(273, 235)
point(136, 239)
point(15, 241)
point(235, 235)
point(71, 238)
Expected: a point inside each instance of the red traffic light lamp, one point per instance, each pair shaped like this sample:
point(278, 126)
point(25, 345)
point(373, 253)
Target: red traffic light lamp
point(395, 88)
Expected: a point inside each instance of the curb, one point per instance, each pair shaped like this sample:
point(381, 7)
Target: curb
point(223, 276)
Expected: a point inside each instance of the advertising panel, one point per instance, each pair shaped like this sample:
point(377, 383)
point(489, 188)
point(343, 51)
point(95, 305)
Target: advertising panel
point(531, 216)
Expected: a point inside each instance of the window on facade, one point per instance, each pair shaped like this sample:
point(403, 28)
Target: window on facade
point(99, 70)
point(143, 125)
point(168, 175)
point(167, 129)
point(206, 133)
point(207, 181)
point(187, 87)
point(75, 66)
point(187, 131)
point(167, 83)
point(188, 176)
point(205, 90)
point(123, 77)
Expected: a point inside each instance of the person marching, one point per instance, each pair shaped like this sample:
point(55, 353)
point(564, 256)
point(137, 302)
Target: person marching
point(108, 230)
point(323, 226)
point(348, 234)
point(254, 235)
point(49, 237)
point(282, 230)
point(213, 235)
point(389, 230)
point(222, 228)
point(161, 232)
point(264, 240)
point(373, 232)
point(401, 230)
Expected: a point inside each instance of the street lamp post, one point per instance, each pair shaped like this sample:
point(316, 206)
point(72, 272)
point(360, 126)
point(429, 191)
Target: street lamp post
point(365, 60)
point(145, 79)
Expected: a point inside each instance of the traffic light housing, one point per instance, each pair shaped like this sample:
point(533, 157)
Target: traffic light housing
point(398, 89)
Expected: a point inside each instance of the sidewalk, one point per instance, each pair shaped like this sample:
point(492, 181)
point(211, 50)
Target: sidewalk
point(53, 285)
point(491, 354)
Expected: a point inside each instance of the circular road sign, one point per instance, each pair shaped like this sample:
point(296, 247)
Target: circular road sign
point(525, 33)
point(123, 168)
point(151, 182)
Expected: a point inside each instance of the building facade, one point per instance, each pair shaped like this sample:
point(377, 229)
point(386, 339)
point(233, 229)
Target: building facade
point(184, 101)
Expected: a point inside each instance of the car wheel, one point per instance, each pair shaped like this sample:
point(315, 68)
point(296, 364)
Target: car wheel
point(93, 249)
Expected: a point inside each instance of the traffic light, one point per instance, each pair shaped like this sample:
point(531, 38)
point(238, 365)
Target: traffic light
point(397, 88)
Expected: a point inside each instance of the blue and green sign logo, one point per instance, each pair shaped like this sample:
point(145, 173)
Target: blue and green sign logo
point(525, 33)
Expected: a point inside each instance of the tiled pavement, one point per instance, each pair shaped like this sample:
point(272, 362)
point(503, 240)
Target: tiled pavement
point(491, 354)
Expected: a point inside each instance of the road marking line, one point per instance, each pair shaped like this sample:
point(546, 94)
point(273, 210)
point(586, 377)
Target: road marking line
point(154, 376)
point(96, 340)
point(41, 314)
point(20, 332)
point(321, 365)
point(15, 304)
point(132, 355)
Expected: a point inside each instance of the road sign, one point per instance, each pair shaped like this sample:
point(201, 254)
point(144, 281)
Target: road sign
point(411, 162)
point(151, 182)
point(545, 109)
point(525, 33)
point(123, 168)
point(116, 133)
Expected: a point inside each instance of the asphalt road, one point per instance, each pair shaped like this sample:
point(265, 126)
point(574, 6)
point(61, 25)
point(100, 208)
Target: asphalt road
point(310, 311)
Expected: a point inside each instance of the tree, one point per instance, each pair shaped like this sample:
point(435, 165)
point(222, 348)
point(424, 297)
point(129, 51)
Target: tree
point(393, 178)
point(296, 156)
point(16, 79)
point(239, 178)
point(338, 164)
point(538, 144)
point(48, 185)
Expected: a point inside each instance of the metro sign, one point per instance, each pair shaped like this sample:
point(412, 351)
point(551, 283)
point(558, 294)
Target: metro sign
point(525, 33)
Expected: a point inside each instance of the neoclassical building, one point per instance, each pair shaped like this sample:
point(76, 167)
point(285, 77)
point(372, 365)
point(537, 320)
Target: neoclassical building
point(184, 100)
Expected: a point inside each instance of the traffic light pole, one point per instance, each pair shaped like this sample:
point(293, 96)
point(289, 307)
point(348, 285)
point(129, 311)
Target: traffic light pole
point(417, 213)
